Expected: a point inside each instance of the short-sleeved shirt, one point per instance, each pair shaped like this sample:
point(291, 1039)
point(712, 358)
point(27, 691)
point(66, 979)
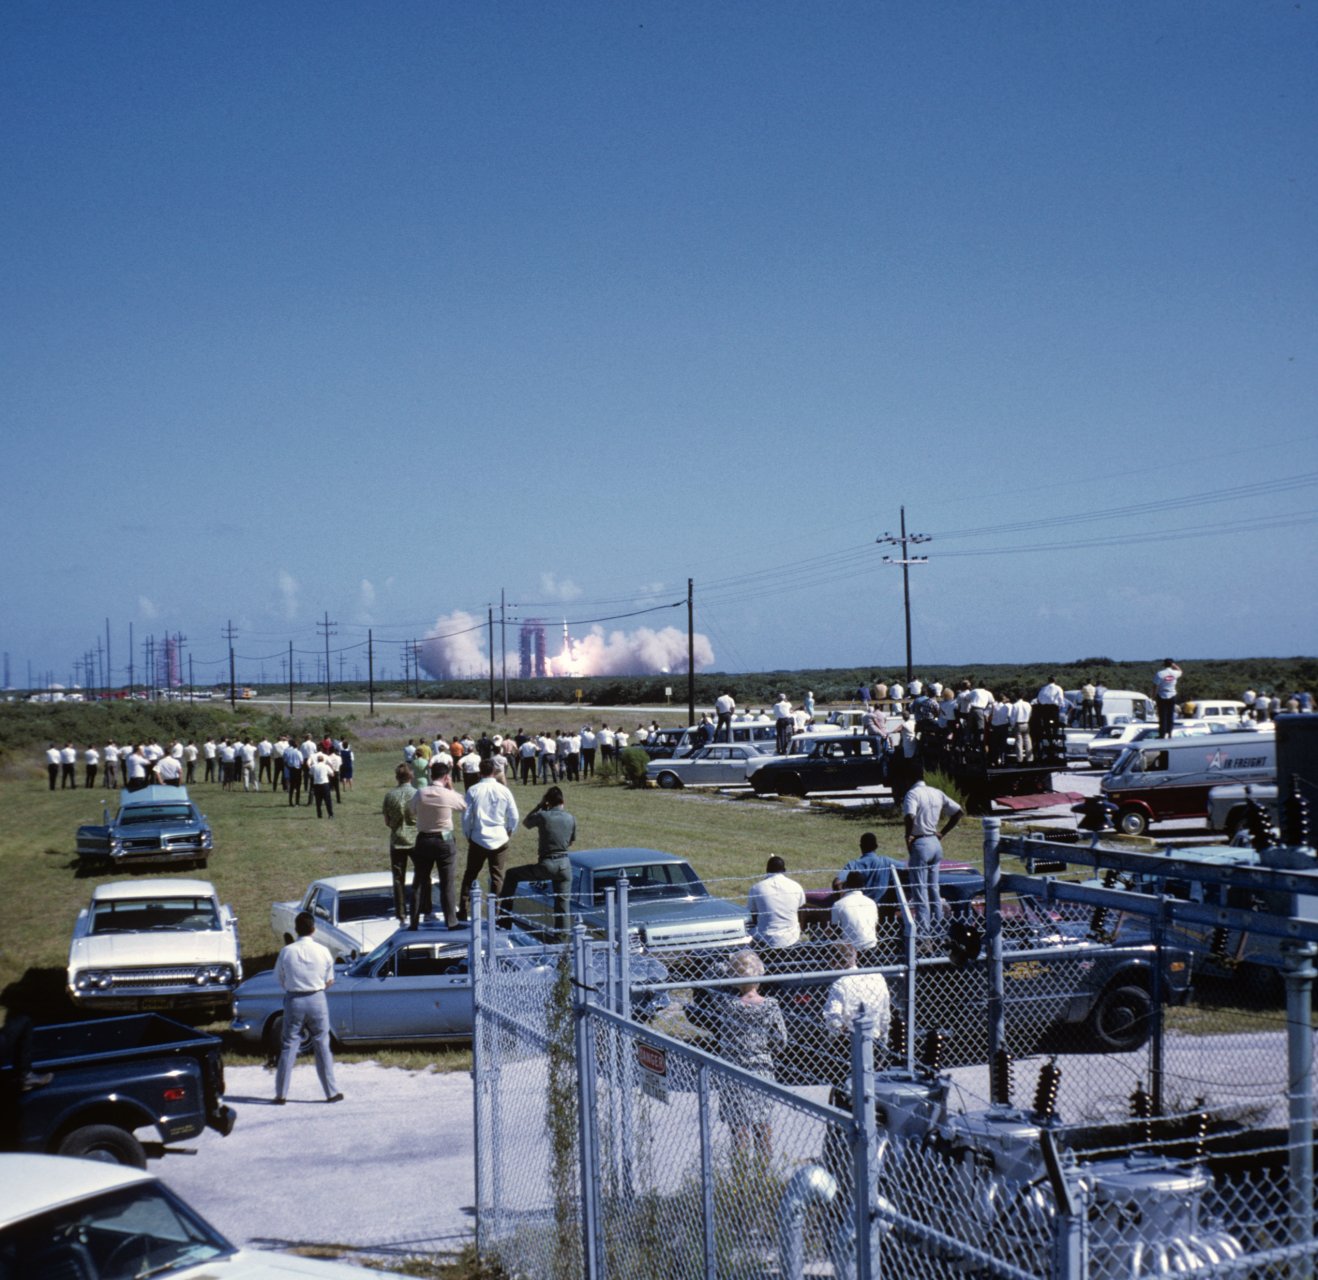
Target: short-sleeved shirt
point(434, 807)
point(928, 806)
point(304, 966)
point(775, 901)
point(398, 815)
point(854, 994)
point(856, 918)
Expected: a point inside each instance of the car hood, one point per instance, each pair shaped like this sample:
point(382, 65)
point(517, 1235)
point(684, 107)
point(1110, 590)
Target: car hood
point(154, 950)
point(704, 919)
point(253, 1264)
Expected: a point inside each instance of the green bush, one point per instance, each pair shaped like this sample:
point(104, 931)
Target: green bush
point(632, 764)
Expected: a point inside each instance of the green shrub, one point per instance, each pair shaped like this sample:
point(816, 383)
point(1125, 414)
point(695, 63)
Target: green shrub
point(632, 764)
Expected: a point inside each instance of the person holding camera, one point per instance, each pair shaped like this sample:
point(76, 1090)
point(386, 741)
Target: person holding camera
point(557, 832)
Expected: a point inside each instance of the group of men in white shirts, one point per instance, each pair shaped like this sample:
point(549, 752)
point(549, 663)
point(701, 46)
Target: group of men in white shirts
point(134, 767)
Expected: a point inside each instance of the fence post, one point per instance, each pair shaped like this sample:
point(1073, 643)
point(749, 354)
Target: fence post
point(586, 1095)
point(908, 993)
point(626, 1091)
point(1299, 974)
point(707, 1220)
point(864, 1137)
point(997, 1030)
point(484, 1076)
point(1157, 928)
point(1070, 1245)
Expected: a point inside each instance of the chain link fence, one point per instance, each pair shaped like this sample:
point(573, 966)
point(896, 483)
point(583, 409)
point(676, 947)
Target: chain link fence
point(1066, 1082)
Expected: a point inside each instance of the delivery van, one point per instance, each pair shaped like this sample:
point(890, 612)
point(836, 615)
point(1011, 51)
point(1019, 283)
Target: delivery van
point(1119, 706)
point(1161, 778)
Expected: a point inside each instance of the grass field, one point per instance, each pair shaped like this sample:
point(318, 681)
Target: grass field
point(266, 850)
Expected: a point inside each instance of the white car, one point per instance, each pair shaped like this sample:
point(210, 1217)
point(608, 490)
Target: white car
point(353, 913)
point(723, 764)
point(165, 945)
point(61, 1216)
point(1107, 744)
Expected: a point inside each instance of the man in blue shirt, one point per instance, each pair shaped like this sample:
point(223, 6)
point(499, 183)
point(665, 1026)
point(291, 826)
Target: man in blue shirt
point(876, 869)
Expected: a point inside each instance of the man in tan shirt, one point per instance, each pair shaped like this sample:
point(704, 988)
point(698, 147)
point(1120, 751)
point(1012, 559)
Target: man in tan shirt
point(433, 808)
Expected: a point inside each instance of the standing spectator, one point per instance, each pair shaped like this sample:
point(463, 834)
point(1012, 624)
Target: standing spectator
point(904, 764)
point(135, 767)
point(111, 777)
point(68, 760)
point(470, 764)
point(247, 753)
point(489, 821)
point(875, 870)
point(92, 759)
point(724, 705)
point(346, 756)
point(1100, 692)
point(563, 750)
point(855, 915)
point(433, 808)
point(556, 831)
point(190, 762)
point(924, 808)
point(1088, 694)
point(750, 1028)
point(620, 740)
point(1052, 695)
point(1249, 697)
point(527, 753)
point(783, 723)
point(897, 695)
point(1165, 696)
point(209, 751)
point(605, 740)
point(53, 764)
point(264, 751)
point(774, 904)
point(305, 969)
point(574, 756)
point(509, 748)
point(168, 772)
point(293, 773)
point(809, 706)
point(228, 754)
point(320, 784)
point(1020, 727)
point(854, 994)
point(588, 741)
point(999, 731)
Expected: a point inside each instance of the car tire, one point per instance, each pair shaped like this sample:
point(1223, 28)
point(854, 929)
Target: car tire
point(104, 1142)
point(791, 785)
point(272, 1038)
point(669, 781)
point(1122, 1020)
point(1132, 822)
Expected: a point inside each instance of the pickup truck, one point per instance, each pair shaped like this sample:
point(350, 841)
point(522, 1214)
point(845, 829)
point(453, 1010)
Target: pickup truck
point(110, 1077)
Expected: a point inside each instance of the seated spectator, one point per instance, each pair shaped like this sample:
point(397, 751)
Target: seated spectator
point(876, 869)
point(855, 916)
point(854, 994)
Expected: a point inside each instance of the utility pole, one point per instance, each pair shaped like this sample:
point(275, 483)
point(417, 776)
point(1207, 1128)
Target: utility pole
point(324, 628)
point(690, 653)
point(416, 668)
point(503, 641)
point(230, 635)
point(192, 688)
point(906, 542)
point(370, 668)
point(491, 639)
point(130, 660)
point(109, 670)
point(290, 677)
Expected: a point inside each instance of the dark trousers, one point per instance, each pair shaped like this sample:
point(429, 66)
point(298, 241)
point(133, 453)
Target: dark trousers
point(477, 857)
point(191, 776)
point(587, 762)
point(548, 768)
point(528, 769)
point(264, 770)
point(1166, 716)
point(90, 780)
point(323, 797)
point(68, 777)
point(294, 786)
point(53, 770)
point(724, 726)
point(210, 769)
point(783, 730)
point(558, 871)
point(111, 777)
point(432, 852)
point(398, 860)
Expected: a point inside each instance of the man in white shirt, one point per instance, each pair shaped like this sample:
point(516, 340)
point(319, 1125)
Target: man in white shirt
point(774, 904)
point(53, 764)
point(855, 915)
point(605, 739)
point(488, 821)
point(1052, 695)
point(854, 994)
point(135, 767)
point(168, 771)
point(999, 731)
point(924, 807)
point(92, 759)
point(782, 723)
point(1020, 725)
point(209, 751)
point(228, 755)
point(724, 706)
point(111, 776)
point(320, 783)
point(1165, 699)
point(190, 762)
point(305, 969)
point(250, 780)
point(526, 755)
point(68, 760)
point(588, 741)
point(265, 751)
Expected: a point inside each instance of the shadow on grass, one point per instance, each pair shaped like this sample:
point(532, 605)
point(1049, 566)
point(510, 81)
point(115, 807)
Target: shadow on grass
point(40, 994)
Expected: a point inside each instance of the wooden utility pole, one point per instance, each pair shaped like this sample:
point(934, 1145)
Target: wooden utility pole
point(690, 653)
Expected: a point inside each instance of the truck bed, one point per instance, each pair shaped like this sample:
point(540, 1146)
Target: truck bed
point(111, 1039)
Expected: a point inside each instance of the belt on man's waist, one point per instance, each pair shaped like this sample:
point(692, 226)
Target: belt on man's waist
point(314, 992)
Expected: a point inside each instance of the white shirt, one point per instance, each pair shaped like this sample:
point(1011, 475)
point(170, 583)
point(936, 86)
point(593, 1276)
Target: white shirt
point(209, 750)
point(927, 805)
point(724, 704)
point(177, 751)
point(320, 771)
point(263, 747)
point(135, 766)
point(190, 752)
point(168, 770)
point(92, 756)
point(1166, 681)
point(848, 997)
point(1051, 695)
point(916, 687)
point(1001, 713)
point(471, 763)
point(1020, 712)
point(69, 755)
point(305, 966)
point(112, 754)
point(782, 710)
point(774, 902)
point(896, 692)
point(53, 755)
point(605, 737)
point(856, 918)
point(620, 739)
point(491, 814)
point(587, 740)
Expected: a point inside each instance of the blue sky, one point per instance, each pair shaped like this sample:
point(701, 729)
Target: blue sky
point(376, 310)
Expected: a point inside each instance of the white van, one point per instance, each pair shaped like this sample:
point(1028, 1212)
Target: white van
point(1162, 778)
point(1215, 710)
point(1119, 705)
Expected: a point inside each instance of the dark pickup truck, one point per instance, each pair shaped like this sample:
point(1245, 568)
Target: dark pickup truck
point(109, 1077)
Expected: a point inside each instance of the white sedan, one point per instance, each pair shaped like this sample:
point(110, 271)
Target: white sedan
point(353, 913)
point(721, 764)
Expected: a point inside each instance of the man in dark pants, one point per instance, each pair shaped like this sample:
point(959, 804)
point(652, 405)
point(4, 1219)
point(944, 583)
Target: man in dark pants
point(433, 808)
point(557, 830)
point(400, 820)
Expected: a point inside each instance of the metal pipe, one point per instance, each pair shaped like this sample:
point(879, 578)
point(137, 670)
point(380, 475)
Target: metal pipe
point(1299, 974)
point(586, 1095)
point(808, 1186)
point(909, 936)
point(997, 1030)
point(864, 1137)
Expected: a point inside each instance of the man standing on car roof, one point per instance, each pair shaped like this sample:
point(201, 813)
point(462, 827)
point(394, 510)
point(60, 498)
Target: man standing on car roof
point(489, 820)
point(305, 970)
point(783, 723)
point(725, 706)
point(433, 808)
point(924, 808)
point(399, 818)
point(1165, 691)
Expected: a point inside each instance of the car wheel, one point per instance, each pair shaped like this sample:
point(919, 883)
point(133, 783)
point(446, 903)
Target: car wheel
point(1122, 1020)
point(791, 785)
point(272, 1038)
point(669, 780)
point(104, 1142)
point(1132, 822)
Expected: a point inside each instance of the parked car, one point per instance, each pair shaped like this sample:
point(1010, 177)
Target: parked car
point(748, 731)
point(670, 909)
point(155, 945)
point(1109, 743)
point(354, 913)
point(66, 1219)
point(660, 747)
point(110, 1077)
point(719, 765)
point(1118, 705)
point(1228, 805)
point(1222, 711)
point(414, 988)
point(154, 825)
point(831, 764)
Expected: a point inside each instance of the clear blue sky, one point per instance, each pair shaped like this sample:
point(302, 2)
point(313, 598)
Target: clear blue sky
point(376, 309)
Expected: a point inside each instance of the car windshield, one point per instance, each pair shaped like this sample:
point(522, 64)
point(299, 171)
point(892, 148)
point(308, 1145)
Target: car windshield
point(127, 1234)
point(650, 881)
point(155, 813)
point(367, 904)
point(139, 915)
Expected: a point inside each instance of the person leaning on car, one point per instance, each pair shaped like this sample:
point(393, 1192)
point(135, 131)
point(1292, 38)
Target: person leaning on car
point(556, 830)
point(401, 821)
point(433, 808)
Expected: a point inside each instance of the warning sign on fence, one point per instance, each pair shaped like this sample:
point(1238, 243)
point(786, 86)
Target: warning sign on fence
point(654, 1070)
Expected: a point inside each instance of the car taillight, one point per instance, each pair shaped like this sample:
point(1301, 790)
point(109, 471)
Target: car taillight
point(175, 1095)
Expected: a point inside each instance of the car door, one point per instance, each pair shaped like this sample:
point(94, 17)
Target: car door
point(420, 991)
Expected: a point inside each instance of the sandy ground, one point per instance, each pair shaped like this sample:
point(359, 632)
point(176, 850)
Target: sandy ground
point(389, 1169)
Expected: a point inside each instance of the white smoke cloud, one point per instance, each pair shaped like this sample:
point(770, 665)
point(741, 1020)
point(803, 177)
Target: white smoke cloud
point(454, 647)
point(630, 653)
point(366, 601)
point(288, 594)
point(148, 608)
